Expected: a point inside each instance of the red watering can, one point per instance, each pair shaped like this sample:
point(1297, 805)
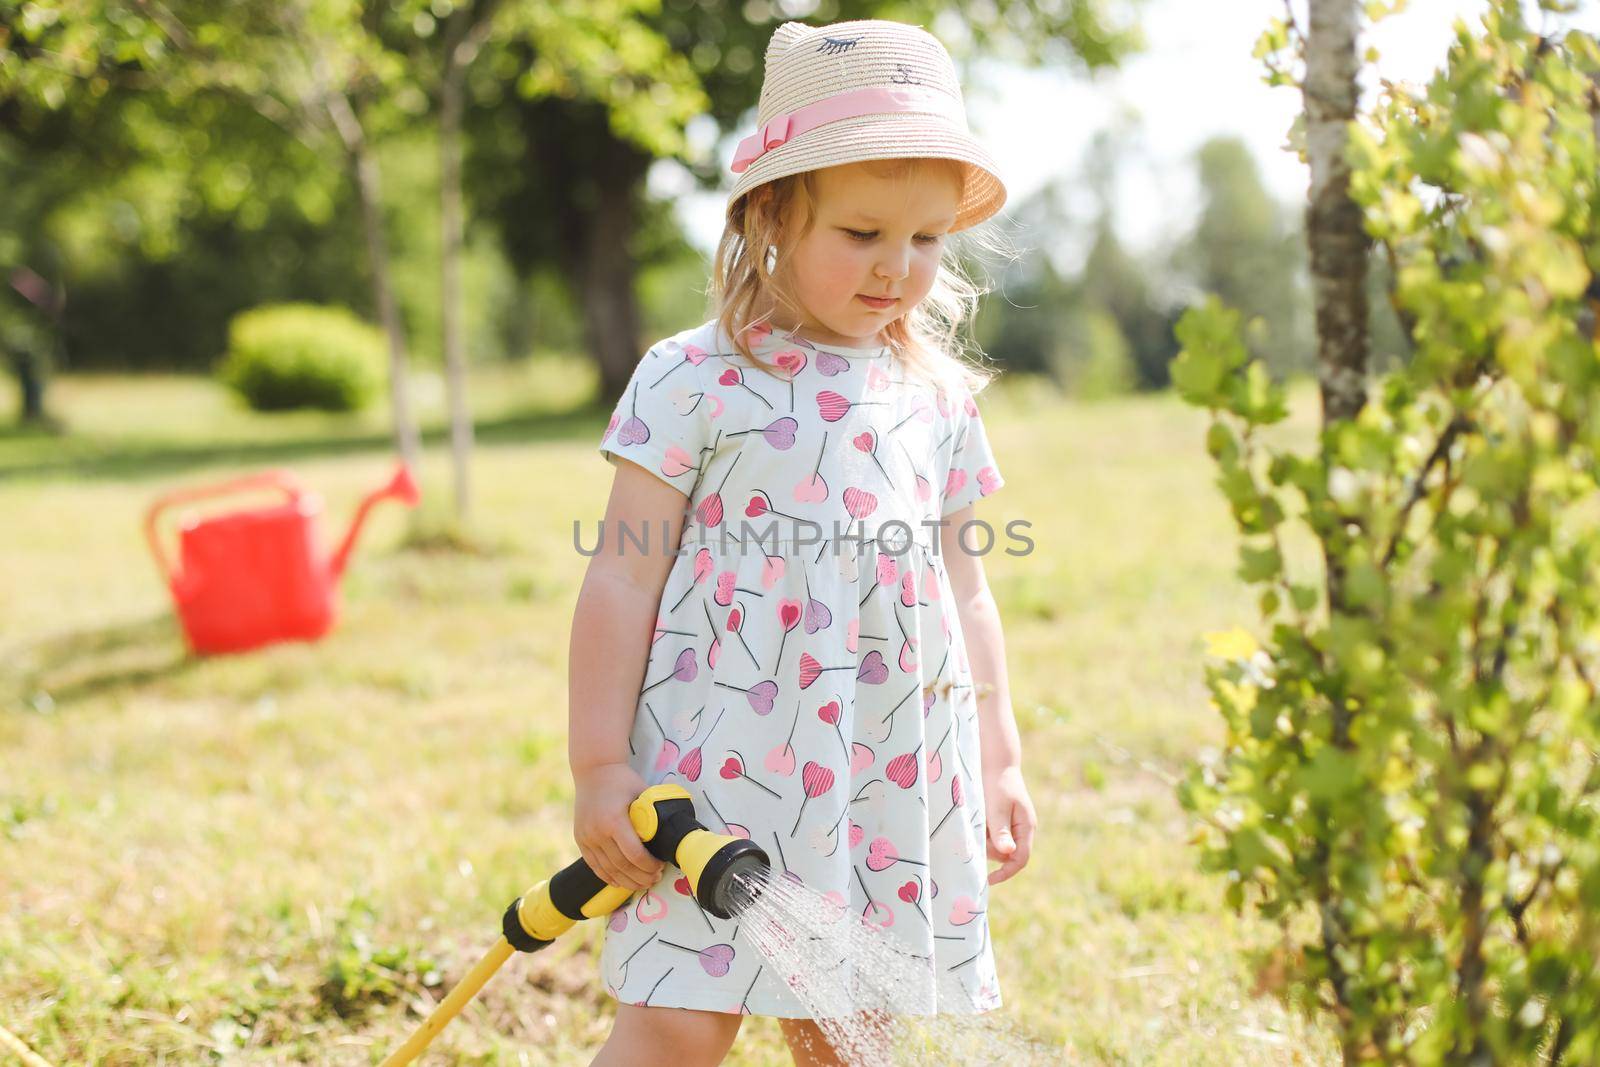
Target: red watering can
point(249, 578)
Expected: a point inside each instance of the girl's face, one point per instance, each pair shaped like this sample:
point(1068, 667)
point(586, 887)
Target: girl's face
point(873, 237)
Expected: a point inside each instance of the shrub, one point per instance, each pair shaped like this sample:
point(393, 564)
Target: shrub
point(1409, 783)
point(287, 356)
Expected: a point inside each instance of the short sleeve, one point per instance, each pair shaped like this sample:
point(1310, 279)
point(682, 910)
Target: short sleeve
point(973, 470)
point(662, 421)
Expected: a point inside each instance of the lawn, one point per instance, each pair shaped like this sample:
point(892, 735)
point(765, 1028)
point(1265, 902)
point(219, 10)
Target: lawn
point(286, 857)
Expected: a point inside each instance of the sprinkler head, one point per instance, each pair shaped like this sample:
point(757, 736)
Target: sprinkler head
point(735, 878)
point(726, 873)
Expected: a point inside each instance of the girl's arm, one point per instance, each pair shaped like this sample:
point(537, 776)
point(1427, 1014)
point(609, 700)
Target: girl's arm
point(1011, 817)
point(613, 627)
point(614, 623)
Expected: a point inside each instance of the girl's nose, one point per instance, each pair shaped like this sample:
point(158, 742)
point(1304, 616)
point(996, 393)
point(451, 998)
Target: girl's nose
point(895, 265)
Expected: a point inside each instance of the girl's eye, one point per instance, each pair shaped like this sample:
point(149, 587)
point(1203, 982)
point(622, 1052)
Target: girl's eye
point(867, 235)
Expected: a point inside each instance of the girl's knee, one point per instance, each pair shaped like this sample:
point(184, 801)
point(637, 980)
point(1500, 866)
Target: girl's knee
point(695, 1036)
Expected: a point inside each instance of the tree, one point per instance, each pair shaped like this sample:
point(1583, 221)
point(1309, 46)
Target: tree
point(1409, 784)
point(1242, 250)
point(312, 70)
point(577, 207)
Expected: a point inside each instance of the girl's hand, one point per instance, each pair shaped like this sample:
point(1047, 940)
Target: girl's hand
point(1011, 821)
point(604, 834)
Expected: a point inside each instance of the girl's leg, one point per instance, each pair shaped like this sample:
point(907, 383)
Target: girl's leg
point(810, 1047)
point(687, 1036)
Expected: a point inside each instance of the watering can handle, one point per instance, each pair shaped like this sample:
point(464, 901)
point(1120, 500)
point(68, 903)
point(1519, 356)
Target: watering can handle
point(271, 479)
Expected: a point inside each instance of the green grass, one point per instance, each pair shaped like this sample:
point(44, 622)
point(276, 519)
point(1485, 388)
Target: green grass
point(287, 856)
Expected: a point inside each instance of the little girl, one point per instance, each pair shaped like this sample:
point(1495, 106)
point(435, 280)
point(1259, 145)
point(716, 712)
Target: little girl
point(801, 635)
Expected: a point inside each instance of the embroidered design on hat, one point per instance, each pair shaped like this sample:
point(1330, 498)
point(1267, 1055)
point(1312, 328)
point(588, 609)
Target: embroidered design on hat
point(832, 46)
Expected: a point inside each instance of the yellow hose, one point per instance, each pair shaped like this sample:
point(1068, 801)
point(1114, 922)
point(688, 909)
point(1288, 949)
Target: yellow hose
point(451, 1005)
point(20, 1050)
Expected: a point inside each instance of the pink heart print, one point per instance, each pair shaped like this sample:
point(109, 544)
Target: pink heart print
point(963, 910)
point(859, 503)
point(811, 490)
point(831, 406)
point(780, 760)
point(817, 778)
point(902, 770)
point(881, 854)
point(651, 908)
point(676, 462)
point(861, 757)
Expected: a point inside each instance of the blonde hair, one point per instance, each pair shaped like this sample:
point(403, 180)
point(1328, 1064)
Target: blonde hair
point(750, 265)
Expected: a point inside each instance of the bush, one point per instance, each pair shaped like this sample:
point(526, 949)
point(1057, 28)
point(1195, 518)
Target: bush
point(287, 356)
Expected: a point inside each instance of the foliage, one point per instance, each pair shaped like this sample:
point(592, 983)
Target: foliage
point(1410, 777)
point(360, 974)
point(303, 356)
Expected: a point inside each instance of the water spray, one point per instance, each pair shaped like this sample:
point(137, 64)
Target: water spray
point(726, 874)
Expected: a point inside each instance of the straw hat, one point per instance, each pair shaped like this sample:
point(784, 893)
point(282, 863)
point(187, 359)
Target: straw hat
point(859, 90)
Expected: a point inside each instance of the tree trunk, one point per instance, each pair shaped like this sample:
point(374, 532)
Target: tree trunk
point(465, 33)
point(606, 277)
point(32, 372)
point(450, 217)
point(31, 360)
point(406, 438)
point(1337, 244)
point(370, 190)
point(1337, 248)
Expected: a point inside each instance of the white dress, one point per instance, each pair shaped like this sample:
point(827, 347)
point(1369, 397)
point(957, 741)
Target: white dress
point(811, 692)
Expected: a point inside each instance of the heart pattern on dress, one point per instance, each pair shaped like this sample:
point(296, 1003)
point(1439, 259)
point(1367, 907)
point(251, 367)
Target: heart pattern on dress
point(852, 443)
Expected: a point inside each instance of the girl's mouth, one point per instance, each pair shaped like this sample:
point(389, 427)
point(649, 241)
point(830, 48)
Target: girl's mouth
point(878, 302)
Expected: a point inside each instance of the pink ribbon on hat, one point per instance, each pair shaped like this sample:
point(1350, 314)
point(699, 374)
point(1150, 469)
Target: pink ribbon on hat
point(874, 101)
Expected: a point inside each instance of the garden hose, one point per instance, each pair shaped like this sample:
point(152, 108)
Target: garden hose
point(725, 874)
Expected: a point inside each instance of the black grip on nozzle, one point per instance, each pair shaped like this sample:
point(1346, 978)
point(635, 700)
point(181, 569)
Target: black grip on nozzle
point(574, 886)
point(519, 938)
point(674, 821)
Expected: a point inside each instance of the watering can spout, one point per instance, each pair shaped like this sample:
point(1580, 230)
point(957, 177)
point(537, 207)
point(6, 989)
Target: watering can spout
point(402, 486)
